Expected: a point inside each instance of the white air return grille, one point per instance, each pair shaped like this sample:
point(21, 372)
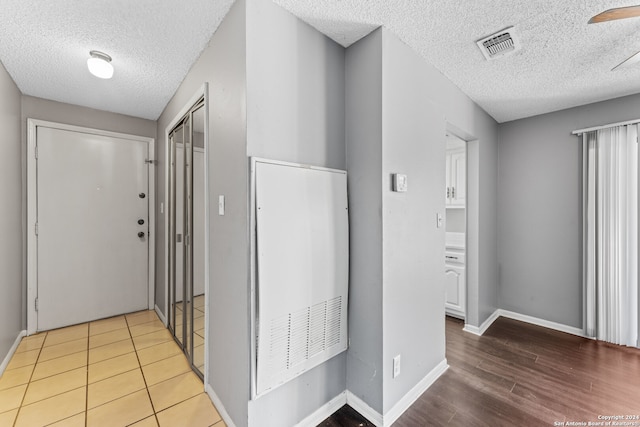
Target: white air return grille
point(499, 44)
point(317, 328)
point(298, 337)
point(302, 269)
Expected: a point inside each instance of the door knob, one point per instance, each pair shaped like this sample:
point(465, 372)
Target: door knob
point(142, 195)
point(141, 221)
point(141, 234)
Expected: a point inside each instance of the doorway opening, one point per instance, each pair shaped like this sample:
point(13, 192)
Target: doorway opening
point(456, 226)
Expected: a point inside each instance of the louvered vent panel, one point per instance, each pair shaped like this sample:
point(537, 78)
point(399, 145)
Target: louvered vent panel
point(499, 44)
point(298, 337)
point(317, 324)
point(334, 312)
point(279, 344)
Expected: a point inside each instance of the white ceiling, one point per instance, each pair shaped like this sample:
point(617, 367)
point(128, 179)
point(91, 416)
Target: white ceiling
point(44, 45)
point(563, 61)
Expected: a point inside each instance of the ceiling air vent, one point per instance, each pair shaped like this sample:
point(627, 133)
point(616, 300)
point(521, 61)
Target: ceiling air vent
point(501, 43)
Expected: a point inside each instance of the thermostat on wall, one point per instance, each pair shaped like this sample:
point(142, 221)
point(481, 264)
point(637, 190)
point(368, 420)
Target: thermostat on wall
point(399, 182)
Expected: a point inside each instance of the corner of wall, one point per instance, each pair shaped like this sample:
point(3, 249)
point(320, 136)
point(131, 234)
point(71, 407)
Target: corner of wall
point(12, 226)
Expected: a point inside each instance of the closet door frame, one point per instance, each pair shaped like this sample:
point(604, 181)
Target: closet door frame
point(203, 92)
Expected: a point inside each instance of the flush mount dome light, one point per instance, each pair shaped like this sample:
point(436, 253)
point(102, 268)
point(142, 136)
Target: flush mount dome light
point(100, 65)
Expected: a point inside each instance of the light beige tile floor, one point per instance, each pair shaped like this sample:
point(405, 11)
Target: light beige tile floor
point(122, 371)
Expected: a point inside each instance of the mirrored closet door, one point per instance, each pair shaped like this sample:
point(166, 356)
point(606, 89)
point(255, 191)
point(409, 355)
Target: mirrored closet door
point(186, 231)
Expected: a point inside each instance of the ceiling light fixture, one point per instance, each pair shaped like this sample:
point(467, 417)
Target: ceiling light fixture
point(100, 64)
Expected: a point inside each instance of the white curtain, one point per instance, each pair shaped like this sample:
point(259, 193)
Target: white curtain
point(610, 186)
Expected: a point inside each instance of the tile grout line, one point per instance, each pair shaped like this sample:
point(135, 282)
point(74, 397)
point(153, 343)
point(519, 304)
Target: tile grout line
point(15, 421)
point(86, 397)
point(50, 376)
point(167, 379)
point(155, 415)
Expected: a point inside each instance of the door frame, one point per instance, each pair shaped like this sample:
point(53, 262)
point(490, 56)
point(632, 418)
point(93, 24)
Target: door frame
point(202, 92)
point(471, 206)
point(32, 193)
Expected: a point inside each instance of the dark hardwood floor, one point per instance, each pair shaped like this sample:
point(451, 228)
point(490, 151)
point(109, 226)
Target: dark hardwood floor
point(522, 375)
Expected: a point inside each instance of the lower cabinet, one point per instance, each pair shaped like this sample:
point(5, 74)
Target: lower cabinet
point(455, 285)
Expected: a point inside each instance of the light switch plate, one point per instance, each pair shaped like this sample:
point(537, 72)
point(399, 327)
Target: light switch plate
point(221, 205)
point(396, 366)
point(400, 184)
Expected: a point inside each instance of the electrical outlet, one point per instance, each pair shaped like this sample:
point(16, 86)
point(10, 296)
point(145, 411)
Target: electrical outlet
point(396, 366)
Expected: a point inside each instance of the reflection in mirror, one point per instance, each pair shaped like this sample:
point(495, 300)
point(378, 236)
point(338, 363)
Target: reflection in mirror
point(177, 201)
point(186, 228)
point(188, 232)
point(198, 238)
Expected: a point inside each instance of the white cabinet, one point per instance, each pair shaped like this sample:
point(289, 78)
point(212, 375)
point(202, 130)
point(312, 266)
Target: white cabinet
point(456, 180)
point(455, 283)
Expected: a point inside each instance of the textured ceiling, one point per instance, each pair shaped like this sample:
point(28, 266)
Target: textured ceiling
point(563, 61)
point(44, 45)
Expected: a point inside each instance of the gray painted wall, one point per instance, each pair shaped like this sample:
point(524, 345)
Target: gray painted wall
point(413, 129)
point(295, 112)
point(364, 165)
point(222, 64)
point(11, 215)
point(540, 209)
point(468, 121)
point(295, 89)
point(390, 84)
point(44, 109)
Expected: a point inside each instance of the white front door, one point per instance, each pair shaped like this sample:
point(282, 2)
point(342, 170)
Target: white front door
point(92, 204)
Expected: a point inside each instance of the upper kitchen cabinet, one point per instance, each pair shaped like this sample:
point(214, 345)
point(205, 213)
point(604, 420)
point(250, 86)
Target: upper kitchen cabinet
point(456, 172)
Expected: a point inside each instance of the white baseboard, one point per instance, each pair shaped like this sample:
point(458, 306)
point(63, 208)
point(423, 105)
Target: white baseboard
point(523, 318)
point(408, 399)
point(11, 352)
point(544, 323)
point(219, 406)
point(365, 410)
point(161, 316)
point(324, 411)
point(485, 325)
